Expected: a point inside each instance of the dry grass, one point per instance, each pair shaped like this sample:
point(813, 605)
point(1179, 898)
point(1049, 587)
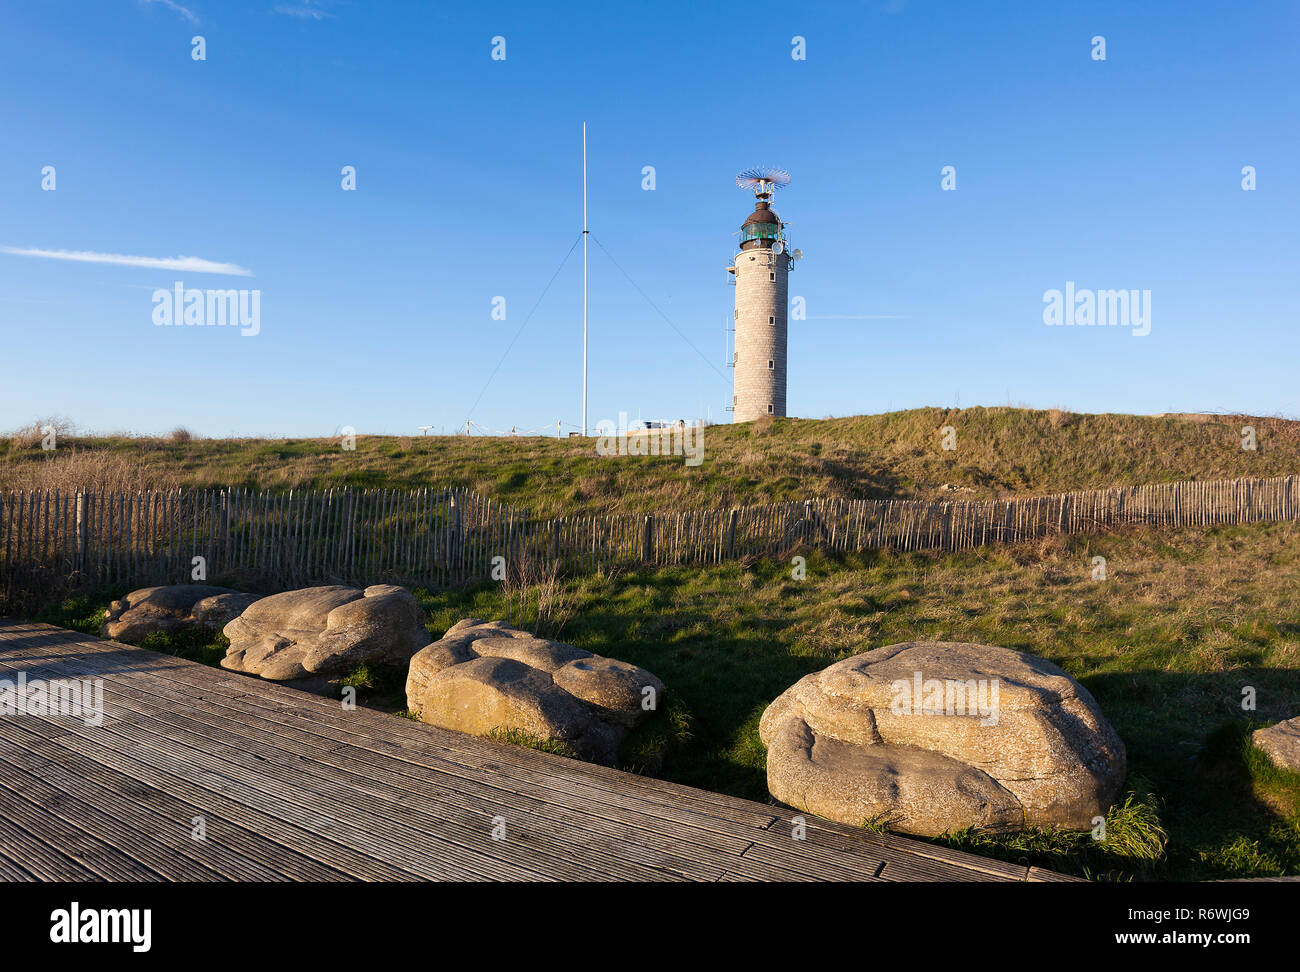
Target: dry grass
point(535, 596)
point(72, 469)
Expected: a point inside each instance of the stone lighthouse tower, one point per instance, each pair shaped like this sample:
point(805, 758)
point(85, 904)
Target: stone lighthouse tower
point(759, 272)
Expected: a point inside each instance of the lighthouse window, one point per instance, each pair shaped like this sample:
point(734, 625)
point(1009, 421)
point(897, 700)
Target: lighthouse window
point(771, 276)
point(769, 408)
point(772, 321)
point(769, 364)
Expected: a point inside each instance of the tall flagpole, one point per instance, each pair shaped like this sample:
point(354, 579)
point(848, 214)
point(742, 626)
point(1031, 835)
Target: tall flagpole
point(585, 233)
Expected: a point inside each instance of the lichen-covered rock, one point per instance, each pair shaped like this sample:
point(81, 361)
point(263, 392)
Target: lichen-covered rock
point(1282, 743)
point(172, 608)
point(931, 737)
point(321, 631)
point(484, 676)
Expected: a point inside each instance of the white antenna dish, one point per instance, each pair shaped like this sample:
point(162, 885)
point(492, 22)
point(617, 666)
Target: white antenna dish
point(778, 248)
point(797, 254)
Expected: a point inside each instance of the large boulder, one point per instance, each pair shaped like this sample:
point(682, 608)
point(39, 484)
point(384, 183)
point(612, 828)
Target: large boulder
point(929, 737)
point(172, 608)
point(322, 631)
point(1282, 743)
point(483, 677)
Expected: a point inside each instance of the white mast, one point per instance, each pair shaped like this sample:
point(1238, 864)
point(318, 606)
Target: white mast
point(585, 233)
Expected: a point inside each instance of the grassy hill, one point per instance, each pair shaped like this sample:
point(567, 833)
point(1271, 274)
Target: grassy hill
point(999, 451)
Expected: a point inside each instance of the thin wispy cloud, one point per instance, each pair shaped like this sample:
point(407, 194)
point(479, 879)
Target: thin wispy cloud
point(304, 11)
point(184, 264)
point(185, 12)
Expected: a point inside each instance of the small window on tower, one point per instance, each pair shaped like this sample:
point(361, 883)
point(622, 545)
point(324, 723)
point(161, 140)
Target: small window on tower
point(772, 275)
point(772, 321)
point(769, 408)
point(769, 364)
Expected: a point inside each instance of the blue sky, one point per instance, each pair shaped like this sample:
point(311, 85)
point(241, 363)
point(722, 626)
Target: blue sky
point(376, 303)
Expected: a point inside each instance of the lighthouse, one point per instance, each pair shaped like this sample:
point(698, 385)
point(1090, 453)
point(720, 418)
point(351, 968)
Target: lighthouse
point(760, 272)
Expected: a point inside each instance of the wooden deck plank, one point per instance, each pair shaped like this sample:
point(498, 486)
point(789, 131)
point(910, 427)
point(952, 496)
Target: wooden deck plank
point(563, 828)
point(442, 827)
point(38, 856)
point(295, 787)
point(229, 717)
point(153, 852)
point(102, 860)
point(197, 789)
point(153, 811)
point(390, 821)
point(921, 855)
point(283, 797)
point(12, 871)
point(402, 733)
point(140, 718)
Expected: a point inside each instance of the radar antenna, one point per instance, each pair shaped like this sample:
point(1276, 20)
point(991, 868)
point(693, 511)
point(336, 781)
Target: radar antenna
point(763, 180)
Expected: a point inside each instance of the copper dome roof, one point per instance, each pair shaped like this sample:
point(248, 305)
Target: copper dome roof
point(762, 214)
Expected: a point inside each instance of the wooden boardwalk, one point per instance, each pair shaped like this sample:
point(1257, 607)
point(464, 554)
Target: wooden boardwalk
point(289, 786)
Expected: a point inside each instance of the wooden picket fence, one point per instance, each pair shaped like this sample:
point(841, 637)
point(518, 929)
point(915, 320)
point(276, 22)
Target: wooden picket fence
point(51, 541)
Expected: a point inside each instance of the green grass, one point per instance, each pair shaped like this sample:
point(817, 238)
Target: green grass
point(378, 686)
point(1132, 843)
point(85, 612)
point(1000, 451)
point(1244, 773)
point(658, 740)
point(517, 737)
point(196, 644)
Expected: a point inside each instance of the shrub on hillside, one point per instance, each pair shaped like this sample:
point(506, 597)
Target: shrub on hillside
point(29, 436)
point(1059, 418)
